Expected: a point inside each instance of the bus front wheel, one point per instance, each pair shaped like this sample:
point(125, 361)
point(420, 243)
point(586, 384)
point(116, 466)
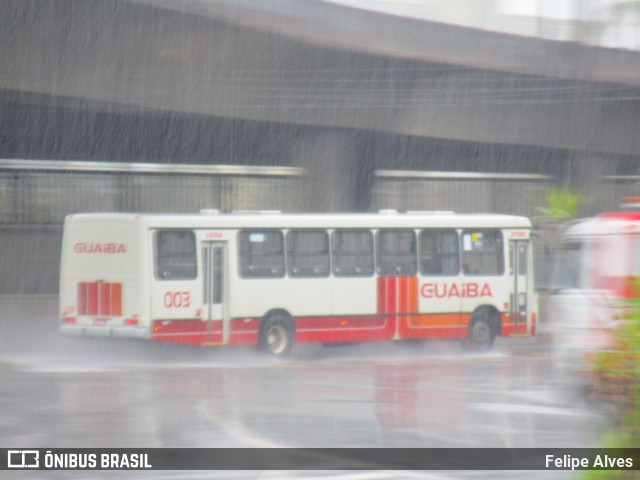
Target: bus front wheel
point(277, 334)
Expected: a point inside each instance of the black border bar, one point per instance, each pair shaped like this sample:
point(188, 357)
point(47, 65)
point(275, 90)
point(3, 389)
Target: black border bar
point(320, 459)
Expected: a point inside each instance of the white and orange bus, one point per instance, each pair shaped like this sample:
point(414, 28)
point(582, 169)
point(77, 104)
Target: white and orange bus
point(272, 279)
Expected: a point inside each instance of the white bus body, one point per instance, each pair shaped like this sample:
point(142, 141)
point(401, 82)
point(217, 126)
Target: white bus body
point(272, 279)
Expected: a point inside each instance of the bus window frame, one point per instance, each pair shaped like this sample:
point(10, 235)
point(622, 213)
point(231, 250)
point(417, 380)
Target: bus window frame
point(499, 253)
point(157, 264)
point(440, 256)
point(380, 255)
point(335, 258)
point(266, 272)
point(318, 271)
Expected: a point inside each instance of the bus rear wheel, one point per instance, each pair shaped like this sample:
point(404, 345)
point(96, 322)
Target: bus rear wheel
point(481, 333)
point(277, 334)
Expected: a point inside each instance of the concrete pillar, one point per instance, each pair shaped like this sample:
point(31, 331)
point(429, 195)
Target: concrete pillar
point(335, 181)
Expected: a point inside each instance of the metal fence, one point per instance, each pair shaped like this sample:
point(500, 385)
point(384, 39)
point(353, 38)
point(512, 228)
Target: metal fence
point(518, 194)
point(35, 197)
point(44, 192)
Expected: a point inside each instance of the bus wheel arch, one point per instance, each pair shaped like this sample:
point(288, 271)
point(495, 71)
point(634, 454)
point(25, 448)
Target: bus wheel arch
point(277, 333)
point(483, 328)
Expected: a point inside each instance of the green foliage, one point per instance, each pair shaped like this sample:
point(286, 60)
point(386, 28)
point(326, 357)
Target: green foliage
point(616, 378)
point(562, 204)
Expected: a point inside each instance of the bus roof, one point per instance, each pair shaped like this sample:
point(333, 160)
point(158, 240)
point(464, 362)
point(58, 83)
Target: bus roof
point(309, 220)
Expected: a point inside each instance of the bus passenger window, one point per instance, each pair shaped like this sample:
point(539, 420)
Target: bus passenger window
point(396, 252)
point(261, 253)
point(352, 252)
point(439, 254)
point(308, 253)
point(175, 252)
point(482, 252)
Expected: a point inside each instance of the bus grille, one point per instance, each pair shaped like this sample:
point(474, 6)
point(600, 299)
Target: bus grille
point(103, 299)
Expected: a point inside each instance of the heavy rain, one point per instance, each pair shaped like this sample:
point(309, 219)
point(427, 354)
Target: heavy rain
point(460, 269)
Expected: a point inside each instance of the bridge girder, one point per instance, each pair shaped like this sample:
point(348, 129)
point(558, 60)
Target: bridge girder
point(316, 64)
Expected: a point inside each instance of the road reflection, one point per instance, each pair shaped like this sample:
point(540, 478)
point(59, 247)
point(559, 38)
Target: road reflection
point(403, 400)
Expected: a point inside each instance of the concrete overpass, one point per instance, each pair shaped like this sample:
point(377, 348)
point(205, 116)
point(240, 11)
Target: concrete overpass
point(300, 80)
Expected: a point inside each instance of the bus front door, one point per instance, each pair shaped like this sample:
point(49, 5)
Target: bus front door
point(214, 261)
point(519, 261)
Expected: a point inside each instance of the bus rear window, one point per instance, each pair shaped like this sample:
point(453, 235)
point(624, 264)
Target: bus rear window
point(175, 252)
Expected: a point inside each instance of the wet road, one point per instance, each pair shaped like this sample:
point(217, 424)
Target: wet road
point(105, 395)
point(101, 393)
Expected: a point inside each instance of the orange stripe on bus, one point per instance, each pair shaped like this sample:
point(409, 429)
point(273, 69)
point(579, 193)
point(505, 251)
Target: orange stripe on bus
point(392, 295)
point(82, 298)
point(99, 299)
point(435, 320)
point(403, 294)
point(381, 295)
point(92, 298)
point(116, 299)
point(104, 299)
point(413, 295)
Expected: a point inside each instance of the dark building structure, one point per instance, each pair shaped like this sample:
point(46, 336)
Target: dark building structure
point(325, 107)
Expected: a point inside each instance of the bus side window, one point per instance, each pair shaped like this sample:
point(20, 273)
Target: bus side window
point(175, 255)
point(439, 254)
point(352, 254)
point(482, 252)
point(308, 253)
point(261, 253)
point(396, 252)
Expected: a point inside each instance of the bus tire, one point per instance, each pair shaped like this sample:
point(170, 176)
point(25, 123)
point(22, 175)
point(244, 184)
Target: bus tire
point(277, 334)
point(481, 331)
